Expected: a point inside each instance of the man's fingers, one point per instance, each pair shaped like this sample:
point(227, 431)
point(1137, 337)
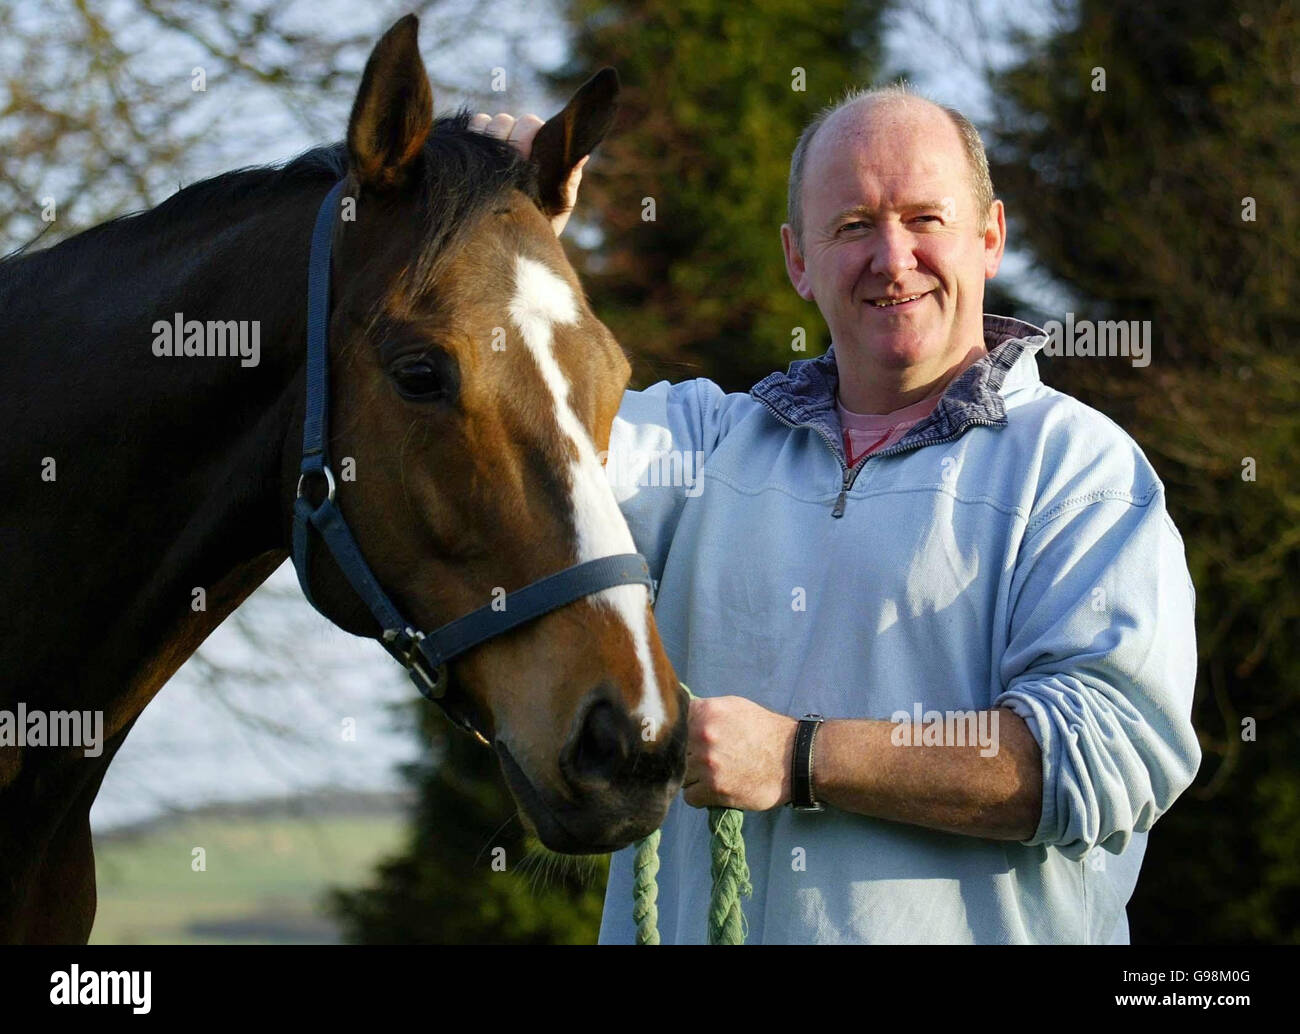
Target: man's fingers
point(505, 126)
point(523, 132)
point(500, 125)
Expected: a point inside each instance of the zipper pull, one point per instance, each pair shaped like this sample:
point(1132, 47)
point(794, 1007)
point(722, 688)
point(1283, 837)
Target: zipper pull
point(839, 503)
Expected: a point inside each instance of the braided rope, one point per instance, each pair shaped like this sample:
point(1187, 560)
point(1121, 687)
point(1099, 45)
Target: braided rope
point(728, 868)
point(645, 890)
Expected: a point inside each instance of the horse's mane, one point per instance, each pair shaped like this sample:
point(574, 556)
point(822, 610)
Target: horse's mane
point(463, 173)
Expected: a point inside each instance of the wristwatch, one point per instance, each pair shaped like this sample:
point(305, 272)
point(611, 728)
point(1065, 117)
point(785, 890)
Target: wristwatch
point(801, 794)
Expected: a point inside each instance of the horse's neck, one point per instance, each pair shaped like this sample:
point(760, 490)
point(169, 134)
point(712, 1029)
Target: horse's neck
point(138, 480)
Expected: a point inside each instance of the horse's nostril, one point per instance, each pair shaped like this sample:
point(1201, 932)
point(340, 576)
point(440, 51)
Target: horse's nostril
point(604, 743)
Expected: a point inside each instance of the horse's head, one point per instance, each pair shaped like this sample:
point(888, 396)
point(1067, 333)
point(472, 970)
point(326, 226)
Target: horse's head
point(473, 389)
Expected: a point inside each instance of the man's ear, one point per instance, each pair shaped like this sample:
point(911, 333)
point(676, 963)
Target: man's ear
point(572, 135)
point(393, 112)
point(794, 263)
point(995, 239)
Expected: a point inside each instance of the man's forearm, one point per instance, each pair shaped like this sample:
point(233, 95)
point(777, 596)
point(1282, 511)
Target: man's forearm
point(858, 767)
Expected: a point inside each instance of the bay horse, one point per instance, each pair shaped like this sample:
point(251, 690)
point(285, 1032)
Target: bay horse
point(470, 392)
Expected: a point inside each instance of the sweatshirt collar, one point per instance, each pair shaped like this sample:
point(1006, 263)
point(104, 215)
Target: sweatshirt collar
point(805, 393)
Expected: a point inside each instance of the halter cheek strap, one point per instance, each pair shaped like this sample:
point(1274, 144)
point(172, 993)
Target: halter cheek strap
point(425, 656)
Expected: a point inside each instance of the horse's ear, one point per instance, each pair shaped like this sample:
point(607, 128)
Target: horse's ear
point(573, 134)
point(393, 112)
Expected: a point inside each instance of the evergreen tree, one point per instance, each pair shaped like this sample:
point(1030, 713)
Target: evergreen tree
point(714, 97)
point(470, 874)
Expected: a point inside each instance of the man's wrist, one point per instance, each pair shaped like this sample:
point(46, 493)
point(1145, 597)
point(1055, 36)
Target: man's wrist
point(787, 754)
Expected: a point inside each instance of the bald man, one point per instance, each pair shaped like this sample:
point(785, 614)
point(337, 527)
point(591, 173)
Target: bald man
point(937, 619)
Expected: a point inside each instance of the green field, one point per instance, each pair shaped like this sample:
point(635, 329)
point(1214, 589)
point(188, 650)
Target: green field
point(264, 880)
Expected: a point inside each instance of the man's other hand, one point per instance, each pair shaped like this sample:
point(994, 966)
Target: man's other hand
point(521, 132)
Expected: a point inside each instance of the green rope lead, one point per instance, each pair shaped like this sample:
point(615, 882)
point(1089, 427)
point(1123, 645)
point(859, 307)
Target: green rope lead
point(730, 877)
point(645, 890)
point(729, 870)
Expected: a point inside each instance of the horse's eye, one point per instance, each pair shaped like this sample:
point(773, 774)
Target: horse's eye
point(427, 378)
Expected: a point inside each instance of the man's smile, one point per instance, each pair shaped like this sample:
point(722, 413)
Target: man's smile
point(899, 302)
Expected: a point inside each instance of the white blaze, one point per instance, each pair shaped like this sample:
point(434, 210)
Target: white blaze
point(541, 300)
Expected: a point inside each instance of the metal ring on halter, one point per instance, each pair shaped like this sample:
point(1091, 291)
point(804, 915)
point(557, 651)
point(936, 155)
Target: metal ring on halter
point(329, 481)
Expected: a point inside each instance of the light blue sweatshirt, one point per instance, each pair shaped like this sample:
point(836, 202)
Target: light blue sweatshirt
point(1013, 549)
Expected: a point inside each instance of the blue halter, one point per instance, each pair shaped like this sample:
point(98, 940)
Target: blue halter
point(425, 656)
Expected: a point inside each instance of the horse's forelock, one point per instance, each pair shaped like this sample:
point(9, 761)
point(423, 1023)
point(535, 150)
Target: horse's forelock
point(464, 175)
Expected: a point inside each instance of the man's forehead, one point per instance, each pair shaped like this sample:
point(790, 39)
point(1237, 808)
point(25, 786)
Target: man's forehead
point(901, 153)
point(888, 112)
point(890, 134)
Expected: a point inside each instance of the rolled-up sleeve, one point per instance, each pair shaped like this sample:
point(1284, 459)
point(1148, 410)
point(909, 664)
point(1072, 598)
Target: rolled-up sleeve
point(1101, 664)
point(658, 445)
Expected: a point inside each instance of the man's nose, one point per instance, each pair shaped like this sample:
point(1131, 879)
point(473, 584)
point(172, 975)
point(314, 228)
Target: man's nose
point(892, 252)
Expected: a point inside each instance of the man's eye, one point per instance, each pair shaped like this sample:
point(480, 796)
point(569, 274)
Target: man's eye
point(856, 222)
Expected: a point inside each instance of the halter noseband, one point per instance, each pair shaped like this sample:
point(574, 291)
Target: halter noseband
point(424, 656)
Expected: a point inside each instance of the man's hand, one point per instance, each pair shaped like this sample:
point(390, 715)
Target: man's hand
point(738, 755)
point(520, 132)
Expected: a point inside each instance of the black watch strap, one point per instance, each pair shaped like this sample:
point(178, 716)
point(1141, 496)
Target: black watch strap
point(801, 796)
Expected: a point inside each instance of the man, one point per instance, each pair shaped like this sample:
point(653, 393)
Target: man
point(971, 576)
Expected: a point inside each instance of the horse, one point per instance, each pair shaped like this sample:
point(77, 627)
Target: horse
point(152, 484)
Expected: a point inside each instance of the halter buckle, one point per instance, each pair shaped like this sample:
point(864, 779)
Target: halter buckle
point(434, 686)
point(430, 684)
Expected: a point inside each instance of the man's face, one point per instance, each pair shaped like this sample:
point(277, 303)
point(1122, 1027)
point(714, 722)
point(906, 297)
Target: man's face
point(889, 213)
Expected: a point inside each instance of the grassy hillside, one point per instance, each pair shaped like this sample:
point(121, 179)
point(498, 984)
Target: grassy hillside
point(267, 868)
